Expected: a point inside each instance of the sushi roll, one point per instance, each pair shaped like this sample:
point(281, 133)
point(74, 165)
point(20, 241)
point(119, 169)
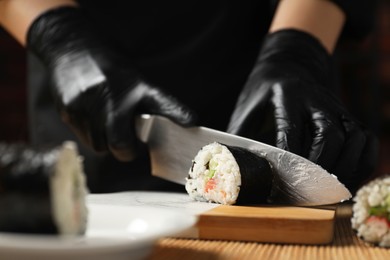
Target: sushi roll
point(42, 191)
point(229, 175)
point(371, 212)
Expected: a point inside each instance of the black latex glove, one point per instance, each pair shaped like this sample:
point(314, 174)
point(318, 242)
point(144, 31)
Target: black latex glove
point(97, 91)
point(289, 85)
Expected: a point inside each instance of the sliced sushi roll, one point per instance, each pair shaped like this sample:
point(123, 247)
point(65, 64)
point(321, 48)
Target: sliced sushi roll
point(229, 175)
point(42, 191)
point(371, 212)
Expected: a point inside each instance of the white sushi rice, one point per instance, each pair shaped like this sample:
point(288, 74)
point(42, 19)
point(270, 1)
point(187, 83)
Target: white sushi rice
point(371, 197)
point(214, 175)
point(68, 191)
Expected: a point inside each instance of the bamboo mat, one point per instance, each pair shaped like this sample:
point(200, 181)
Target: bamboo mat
point(345, 245)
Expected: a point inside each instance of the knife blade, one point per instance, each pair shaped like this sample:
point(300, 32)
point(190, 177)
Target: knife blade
point(299, 181)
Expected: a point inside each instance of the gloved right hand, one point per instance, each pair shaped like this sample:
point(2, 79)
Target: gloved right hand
point(97, 92)
point(289, 85)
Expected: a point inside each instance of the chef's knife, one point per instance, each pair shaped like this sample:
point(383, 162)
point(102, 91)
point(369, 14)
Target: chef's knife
point(300, 182)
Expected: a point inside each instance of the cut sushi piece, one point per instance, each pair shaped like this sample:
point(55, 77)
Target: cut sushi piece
point(371, 212)
point(42, 190)
point(229, 175)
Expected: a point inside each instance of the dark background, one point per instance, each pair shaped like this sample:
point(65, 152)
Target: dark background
point(364, 72)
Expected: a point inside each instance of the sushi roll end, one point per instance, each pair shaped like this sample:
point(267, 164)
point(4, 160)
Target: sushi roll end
point(229, 175)
point(371, 212)
point(69, 191)
point(42, 190)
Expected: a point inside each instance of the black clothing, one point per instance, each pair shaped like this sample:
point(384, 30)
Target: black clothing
point(210, 48)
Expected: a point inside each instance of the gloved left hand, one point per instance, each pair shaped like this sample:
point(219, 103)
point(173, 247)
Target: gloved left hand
point(98, 92)
point(290, 82)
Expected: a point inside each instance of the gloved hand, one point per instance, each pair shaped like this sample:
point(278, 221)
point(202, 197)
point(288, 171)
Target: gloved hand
point(290, 85)
point(98, 93)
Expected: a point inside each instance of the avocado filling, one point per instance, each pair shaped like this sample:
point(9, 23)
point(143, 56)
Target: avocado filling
point(383, 210)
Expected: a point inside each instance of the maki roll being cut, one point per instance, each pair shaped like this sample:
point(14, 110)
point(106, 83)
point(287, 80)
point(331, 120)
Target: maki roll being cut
point(42, 190)
point(229, 175)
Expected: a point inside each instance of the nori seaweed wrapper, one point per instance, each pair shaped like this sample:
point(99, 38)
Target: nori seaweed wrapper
point(256, 176)
point(25, 195)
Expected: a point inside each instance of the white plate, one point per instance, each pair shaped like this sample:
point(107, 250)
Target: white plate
point(114, 232)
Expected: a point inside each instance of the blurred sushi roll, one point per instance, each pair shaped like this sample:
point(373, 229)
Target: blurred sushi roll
point(42, 191)
point(229, 175)
point(371, 212)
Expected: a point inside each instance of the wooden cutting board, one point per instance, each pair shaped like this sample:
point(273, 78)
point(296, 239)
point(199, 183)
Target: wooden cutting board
point(267, 224)
point(273, 224)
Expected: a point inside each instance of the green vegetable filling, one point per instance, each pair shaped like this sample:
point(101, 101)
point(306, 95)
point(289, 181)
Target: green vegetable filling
point(382, 210)
point(211, 174)
point(212, 168)
point(378, 211)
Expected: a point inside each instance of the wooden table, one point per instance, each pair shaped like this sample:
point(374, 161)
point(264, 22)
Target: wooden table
point(345, 245)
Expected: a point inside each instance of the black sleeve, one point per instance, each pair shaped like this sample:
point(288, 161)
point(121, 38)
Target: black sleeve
point(359, 17)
